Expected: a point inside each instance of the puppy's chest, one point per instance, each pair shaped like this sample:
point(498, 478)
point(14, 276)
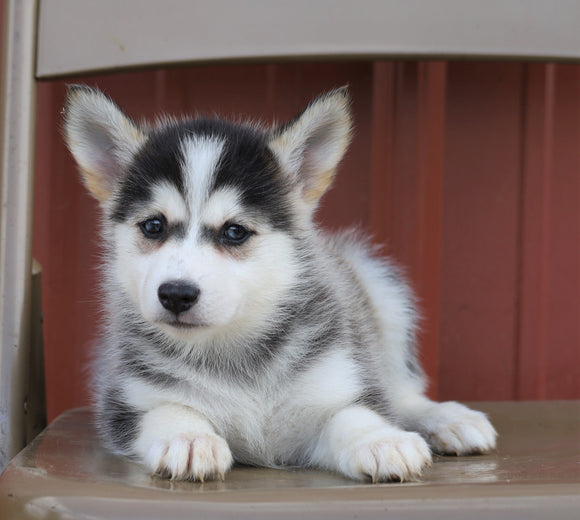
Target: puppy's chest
point(273, 408)
point(234, 403)
point(331, 382)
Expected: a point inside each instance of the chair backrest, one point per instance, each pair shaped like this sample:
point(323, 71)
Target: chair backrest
point(68, 37)
point(84, 36)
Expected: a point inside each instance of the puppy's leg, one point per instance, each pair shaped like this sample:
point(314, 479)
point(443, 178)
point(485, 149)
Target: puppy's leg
point(361, 444)
point(450, 428)
point(177, 442)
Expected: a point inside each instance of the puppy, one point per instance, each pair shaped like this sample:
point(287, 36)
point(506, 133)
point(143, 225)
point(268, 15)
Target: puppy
point(235, 329)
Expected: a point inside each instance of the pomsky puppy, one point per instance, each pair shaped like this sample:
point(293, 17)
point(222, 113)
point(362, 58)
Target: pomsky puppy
point(235, 329)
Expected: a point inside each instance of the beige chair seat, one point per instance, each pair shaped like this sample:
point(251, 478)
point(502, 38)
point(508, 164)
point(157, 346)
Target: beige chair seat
point(535, 473)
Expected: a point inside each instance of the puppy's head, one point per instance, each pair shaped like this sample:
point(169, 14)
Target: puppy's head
point(203, 215)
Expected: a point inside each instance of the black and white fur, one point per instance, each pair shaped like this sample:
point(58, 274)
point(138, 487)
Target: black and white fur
point(235, 328)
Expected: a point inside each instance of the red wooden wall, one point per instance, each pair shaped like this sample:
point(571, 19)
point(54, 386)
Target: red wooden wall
point(468, 173)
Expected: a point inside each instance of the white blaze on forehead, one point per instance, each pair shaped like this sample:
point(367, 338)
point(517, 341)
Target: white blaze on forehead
point(168, 201)
point(201, 157)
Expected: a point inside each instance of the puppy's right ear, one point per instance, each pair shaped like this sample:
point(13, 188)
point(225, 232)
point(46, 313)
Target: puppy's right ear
point(101, 138)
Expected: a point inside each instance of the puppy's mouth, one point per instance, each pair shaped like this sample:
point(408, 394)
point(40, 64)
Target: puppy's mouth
point(178, 324)
point(182, 325)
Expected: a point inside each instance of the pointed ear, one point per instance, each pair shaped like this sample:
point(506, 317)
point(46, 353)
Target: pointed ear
point(310, 147)
point(101, 138)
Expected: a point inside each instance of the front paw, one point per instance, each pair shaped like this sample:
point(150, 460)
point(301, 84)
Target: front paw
point(453, 429)
point(177, 442)
point(190, 457)
point(387, 455)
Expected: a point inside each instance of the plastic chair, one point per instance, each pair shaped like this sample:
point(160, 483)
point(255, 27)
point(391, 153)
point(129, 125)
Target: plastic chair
point(55, 38)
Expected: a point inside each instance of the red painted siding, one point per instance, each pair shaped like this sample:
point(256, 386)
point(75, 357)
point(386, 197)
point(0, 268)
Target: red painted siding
point(480, 242)
point(468, 173)
point(549, 324)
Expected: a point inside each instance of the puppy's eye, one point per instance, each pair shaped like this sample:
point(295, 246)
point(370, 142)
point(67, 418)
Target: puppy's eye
point(234, 234)
point(154, 227)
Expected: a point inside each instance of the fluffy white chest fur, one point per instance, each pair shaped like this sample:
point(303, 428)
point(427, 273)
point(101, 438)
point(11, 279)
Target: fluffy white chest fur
point(235, 329)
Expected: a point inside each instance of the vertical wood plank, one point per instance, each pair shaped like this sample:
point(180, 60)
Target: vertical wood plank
point(407, 155)
point(64, 244)
point(382, 148)
point(549, 331)
point(402, 179)
point(544, 230)
point(429, 207)
point(481, 230)
point(534, 260)
point(562, 348)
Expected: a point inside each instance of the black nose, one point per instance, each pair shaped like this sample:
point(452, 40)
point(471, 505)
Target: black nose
point(178, 296)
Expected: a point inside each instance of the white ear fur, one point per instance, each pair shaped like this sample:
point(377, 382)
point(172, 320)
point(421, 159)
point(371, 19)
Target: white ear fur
point(310, 147)
point(101, 138)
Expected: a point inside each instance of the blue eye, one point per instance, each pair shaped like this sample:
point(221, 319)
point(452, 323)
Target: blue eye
point(234, 234)
point(154, 227)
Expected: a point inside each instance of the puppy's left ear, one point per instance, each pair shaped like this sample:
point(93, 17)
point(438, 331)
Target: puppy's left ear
point(310, 147)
